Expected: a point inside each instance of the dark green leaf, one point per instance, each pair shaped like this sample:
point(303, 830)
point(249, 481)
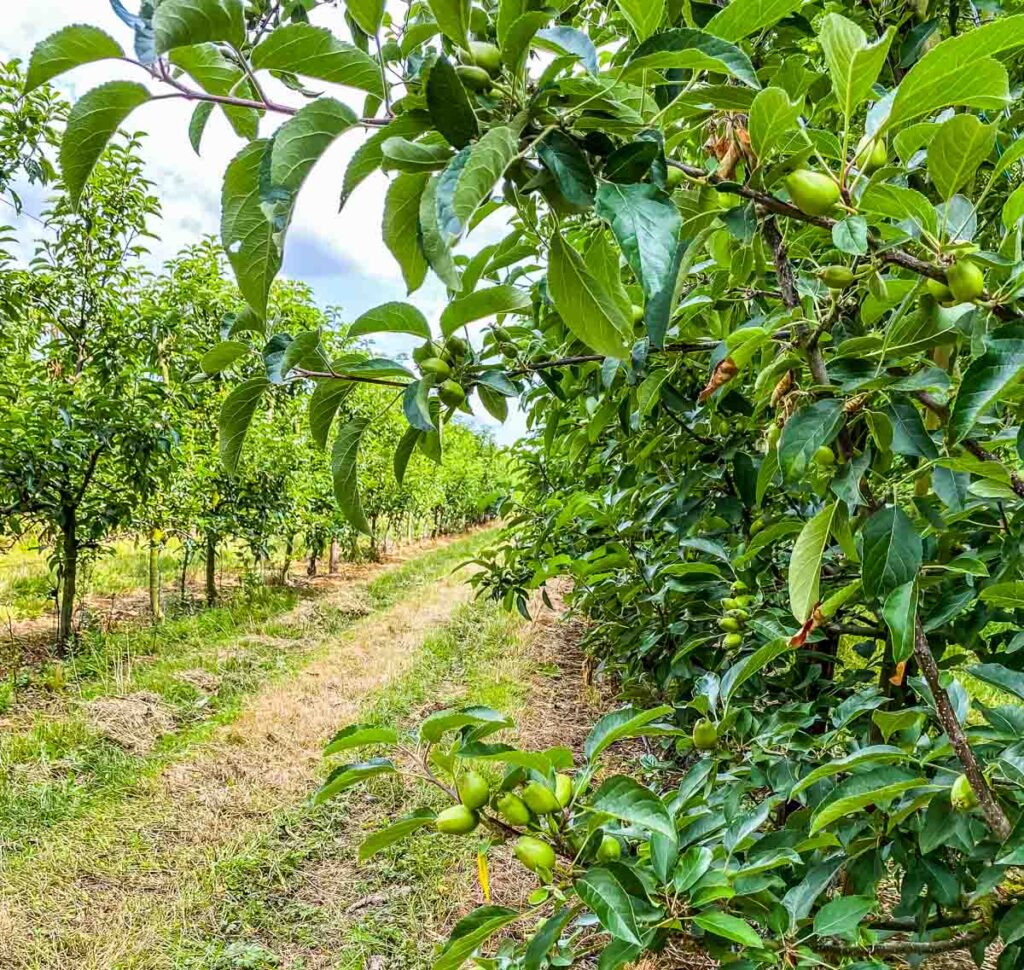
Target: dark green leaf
point(182, 23)
point(345, 472)
point(67, 49)
point(449, 105)
point(235, 416)
point(892, 551)
point(805, 432)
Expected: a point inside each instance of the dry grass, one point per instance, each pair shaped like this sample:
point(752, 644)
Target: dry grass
point(134, 722)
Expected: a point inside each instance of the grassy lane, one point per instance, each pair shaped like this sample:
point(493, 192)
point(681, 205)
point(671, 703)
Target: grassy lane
point(101, 726)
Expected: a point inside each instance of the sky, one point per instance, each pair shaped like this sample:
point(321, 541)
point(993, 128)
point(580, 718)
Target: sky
point(340, 255)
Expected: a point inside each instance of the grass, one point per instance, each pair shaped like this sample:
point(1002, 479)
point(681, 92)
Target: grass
point(288, 895)
point(195, 672)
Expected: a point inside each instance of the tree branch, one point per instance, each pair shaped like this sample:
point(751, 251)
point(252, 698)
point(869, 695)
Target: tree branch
point(298, 372)
point(991, 809)
point(896, 947)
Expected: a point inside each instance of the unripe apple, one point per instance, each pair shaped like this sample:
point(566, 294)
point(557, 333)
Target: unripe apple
point(812, 192)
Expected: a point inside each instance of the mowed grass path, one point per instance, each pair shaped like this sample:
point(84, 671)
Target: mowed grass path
point(145, 870)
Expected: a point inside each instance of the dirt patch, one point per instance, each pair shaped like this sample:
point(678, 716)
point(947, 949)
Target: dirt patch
point(135, 722)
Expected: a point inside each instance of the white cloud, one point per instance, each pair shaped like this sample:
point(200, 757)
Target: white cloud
point(341, 255)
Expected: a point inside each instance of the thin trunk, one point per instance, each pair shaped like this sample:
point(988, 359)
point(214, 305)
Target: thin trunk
point(155, 609)
point(211, 570)
point(335, 555)
point(990, 808)
point(69, 582)
point(287, 565)
point(311, 568)
point(183, 582)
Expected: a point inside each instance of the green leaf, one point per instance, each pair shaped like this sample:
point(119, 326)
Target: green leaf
point(646, 224)
point(554, 759)
point(983, 382)
point(368, 14)
point(900, 614)
point(360, 735)
point(1009, 596)
point(415, 156)
point(91, 124)
point(910, 437)
point(741, 18)
point(449, 105)
point(877, 787)
point(487, 162)
point(691, 49)
point(346, 776)
point(435, 241)
point(402, 829)
point(1012, 681)
point(644, 16)
point(623, 798)
point(853, 62)
point(566, 161)
point(959, 70)
point(840, 917)
point(416, 406)
point(850, 235)
point(404, 451)
point(484, 303)
point(878, 754)
point(773, 119)
point(345, 472)
point(370, 155)
point(691, 867)
point(67, 49)
point(627, 722)
point(302, 140)
point(741, 671)
point(961, 144)
point(440, 723)
point(729, 927)
point(315, 52)
point(182, 23)
point(805, 432)
point(545, 938)
point(587, 309)
point(391, 318)
point(896, 202)
point(235, 416)
point(197, 126)
point(248, 238)
point(517, 44)
point(323, 406)
point(401, 227)
point(474, 929)
point(215, 74)
point(569, 40)
point(892, 552)
point(614, 907)
point(805, 563)
point(222, 356)
point(452, 17)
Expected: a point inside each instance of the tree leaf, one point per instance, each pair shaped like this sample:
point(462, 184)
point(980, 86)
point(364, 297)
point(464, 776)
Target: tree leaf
point(452, 17)
point(644, 16)
point(370, 155)
point(391, 318)
point(646, 224)
point(368, 14)
point(67, 49)
point(222, 355)
point(487, 162)
point(959, 70)
point(587, 309)
point(569, 40)
point(182, 23)
point(345, 472)
point(565, 160)
point(900, 614)
point(899, 203)
point(516, 47)
point(773, 119)
point(404, 451)
point(247, 235)
point(545, 938)
point(627, 722)
point(215, 74)
point(402, 829)
point(235, 416)
point(610, 902)
point(684, 47)
point(840, 917)
point(360, 735)
point(960, 145)
point(805, 432)
point(91, 124)
point(729, 927)
point(346, 776)
point(315, 52)
point(910, 437)
point(474, 929)
point(1012, 681)
point(484, 303)
point(323, 406)
point(1009, 596)
point(440, 723)
point(879, 786)
point(417, 157)
point(401, 227)
point(449, 105)
point(435, 241)
point(850, 235)
point(623, 798)
point(302, 140)
point(805, 563)
point(741, 18)
point(983, 382)
point(852, 61)
point(892, 551)
point(878, 754)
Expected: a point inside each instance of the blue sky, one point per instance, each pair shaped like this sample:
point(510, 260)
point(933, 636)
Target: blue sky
point(340, 255)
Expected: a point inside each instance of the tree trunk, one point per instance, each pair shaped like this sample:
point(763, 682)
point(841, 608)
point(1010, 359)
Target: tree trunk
point(69, 582)
point(311, 568)
point(334, 556)
point(211, 570)
point(287, 564)
point(155, 609)
point(183, 585)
